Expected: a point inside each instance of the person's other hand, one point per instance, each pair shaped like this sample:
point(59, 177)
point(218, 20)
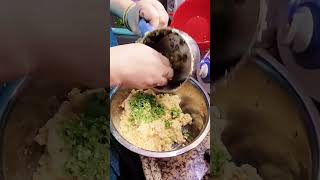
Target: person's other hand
point(151, 10)
point(139, 66)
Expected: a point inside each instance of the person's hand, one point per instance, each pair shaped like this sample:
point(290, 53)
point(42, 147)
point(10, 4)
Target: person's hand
point(151, 10)
point(139, 66)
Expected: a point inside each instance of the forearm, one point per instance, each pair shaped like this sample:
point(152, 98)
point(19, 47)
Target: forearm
point(118, 7)
point(115, 69)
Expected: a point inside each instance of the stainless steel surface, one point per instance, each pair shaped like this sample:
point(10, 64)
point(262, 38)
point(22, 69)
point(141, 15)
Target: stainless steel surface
point(194, 101)
point(181, 50)
point(272, 125)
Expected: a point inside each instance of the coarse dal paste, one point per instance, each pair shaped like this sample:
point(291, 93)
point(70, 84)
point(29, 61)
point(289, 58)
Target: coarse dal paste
point(153, 121)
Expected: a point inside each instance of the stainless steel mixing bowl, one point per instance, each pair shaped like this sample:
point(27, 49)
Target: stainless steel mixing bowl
point(194, 101)
point(272, 125)
point(30, 104)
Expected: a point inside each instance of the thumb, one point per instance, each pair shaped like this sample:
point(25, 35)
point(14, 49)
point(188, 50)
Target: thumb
point(149, 13)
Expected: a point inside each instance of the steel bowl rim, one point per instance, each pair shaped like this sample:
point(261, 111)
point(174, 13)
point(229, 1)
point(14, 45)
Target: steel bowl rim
point(166, 154)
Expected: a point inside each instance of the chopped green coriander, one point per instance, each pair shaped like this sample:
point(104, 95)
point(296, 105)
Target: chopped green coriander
point(175, 112)
point(88, 139)
point(219, 158)
point(119, 23)
point(145, 108)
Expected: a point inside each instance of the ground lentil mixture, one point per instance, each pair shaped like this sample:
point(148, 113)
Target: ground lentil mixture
point(153, 122)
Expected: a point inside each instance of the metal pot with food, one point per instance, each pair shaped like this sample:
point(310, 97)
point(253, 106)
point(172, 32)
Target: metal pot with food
point(263, 126)
point(157, 124)
point(52, 131)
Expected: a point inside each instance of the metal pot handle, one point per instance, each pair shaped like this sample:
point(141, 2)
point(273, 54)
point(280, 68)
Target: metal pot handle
point(145, 27)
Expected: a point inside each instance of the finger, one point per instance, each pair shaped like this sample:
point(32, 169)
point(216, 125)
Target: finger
point(165, 61)
point(163, 15)
point(162, 82)
point(168, 71)
point(142, 86)
point(147, 86)
point(151, 82)
point(163, 19)
point(150, 13)
point(169, 74)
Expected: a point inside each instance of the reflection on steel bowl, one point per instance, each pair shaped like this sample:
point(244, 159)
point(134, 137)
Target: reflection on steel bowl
point(194, 101)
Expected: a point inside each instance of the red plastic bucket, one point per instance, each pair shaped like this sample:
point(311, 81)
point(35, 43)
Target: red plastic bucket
point(193, 17)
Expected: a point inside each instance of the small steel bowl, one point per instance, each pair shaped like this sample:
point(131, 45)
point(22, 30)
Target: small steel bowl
point(194, 100)
point(181, 50)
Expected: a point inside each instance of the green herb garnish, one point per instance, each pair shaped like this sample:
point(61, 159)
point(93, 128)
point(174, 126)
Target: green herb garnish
point(145, 108)
point(175, 112)
point(119, 22)
point(219, 158)
point(88, 139)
